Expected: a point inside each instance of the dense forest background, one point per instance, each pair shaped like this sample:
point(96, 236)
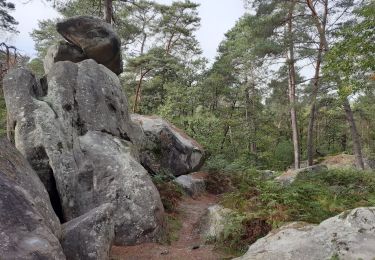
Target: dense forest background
point(293, 80)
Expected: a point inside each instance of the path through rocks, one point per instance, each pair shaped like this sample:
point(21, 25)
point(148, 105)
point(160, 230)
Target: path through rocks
point(189, 244)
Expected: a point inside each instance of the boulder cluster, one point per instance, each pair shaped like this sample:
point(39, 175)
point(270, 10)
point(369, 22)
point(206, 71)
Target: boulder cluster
point(77, 177)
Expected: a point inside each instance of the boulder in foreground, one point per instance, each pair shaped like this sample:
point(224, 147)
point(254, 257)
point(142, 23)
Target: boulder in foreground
point(350, 235)
point(90, 236)
point(29, 228)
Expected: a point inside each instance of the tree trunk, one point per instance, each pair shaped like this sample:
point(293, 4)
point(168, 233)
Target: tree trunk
point(108, 11)
point(357, 150)
point(292, 89)
point(138, 90)
point(310, 133)
point(323, 46)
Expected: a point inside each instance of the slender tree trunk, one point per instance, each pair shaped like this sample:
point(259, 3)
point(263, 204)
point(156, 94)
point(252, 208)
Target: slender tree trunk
point(310, 133)
point(141, 76)
point(138, 90)
point(323, 46)
point(108, 11)
point(357, 150)
point(292, 89)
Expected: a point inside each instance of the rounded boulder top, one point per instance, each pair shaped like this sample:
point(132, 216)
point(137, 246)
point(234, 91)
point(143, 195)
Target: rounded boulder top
point(96, 38)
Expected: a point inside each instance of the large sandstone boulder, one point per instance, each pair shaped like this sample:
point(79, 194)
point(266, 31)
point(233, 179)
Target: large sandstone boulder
point(90, 236)
point(29, 228)
point(350, 235)
point(62, 51)
point(167, 148)
point(96, 38)
point(75, 132)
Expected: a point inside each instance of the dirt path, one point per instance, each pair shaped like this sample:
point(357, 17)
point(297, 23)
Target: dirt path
point(188, 246)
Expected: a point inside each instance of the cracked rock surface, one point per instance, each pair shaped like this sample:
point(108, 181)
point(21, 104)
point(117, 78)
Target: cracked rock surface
point(166, 148)
point(96, 38)
point(94, 231)
point(29, 228)
point(350, 235)
point(75, 131)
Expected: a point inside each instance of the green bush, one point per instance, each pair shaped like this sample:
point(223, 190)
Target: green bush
point(283, 155)
point(310, 199)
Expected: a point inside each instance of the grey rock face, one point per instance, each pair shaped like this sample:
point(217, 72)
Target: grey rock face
point(90, 236)
point(62, 51)
point(191, 185)
point(214, 221)
point(110, 174)
point(350, 235)
point(96, 38)
point(29, 229)
point(289, 177)
point(74, 133)
point(168, 149)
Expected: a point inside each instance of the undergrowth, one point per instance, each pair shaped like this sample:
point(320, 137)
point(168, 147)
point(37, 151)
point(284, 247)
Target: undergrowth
point(172, 228)
point(170, 195)
point(261, 205)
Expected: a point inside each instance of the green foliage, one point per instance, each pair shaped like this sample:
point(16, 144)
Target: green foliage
point(173, 226)
point(311, 199)
point(36, 66)
point(351, 61)
point(260, 204)
point(45, 36)
point(7, 21)
point(283, 155)
point(170, 192)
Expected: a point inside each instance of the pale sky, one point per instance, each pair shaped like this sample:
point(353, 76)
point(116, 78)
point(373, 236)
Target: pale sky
point(218, 16)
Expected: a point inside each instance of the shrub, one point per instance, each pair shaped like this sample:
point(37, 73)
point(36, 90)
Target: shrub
point(261, 204)
point(170, 193)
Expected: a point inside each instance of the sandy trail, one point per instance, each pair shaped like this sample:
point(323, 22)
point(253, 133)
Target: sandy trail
point(191, 211)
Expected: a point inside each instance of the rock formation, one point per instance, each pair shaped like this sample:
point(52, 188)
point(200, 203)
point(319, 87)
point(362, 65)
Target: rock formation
point(350, 235)
point(96, 38)
point(62, 51)
point(168, 149)
point(29, 228)
point(75, 131)
point(94, 231)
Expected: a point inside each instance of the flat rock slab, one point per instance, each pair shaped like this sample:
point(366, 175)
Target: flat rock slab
point(96, 38)
point(29, 228)
point(350, 235)
point(90, 236)
point(290, 176)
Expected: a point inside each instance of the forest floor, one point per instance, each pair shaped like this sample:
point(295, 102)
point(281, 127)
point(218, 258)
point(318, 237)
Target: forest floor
point(189, 244)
